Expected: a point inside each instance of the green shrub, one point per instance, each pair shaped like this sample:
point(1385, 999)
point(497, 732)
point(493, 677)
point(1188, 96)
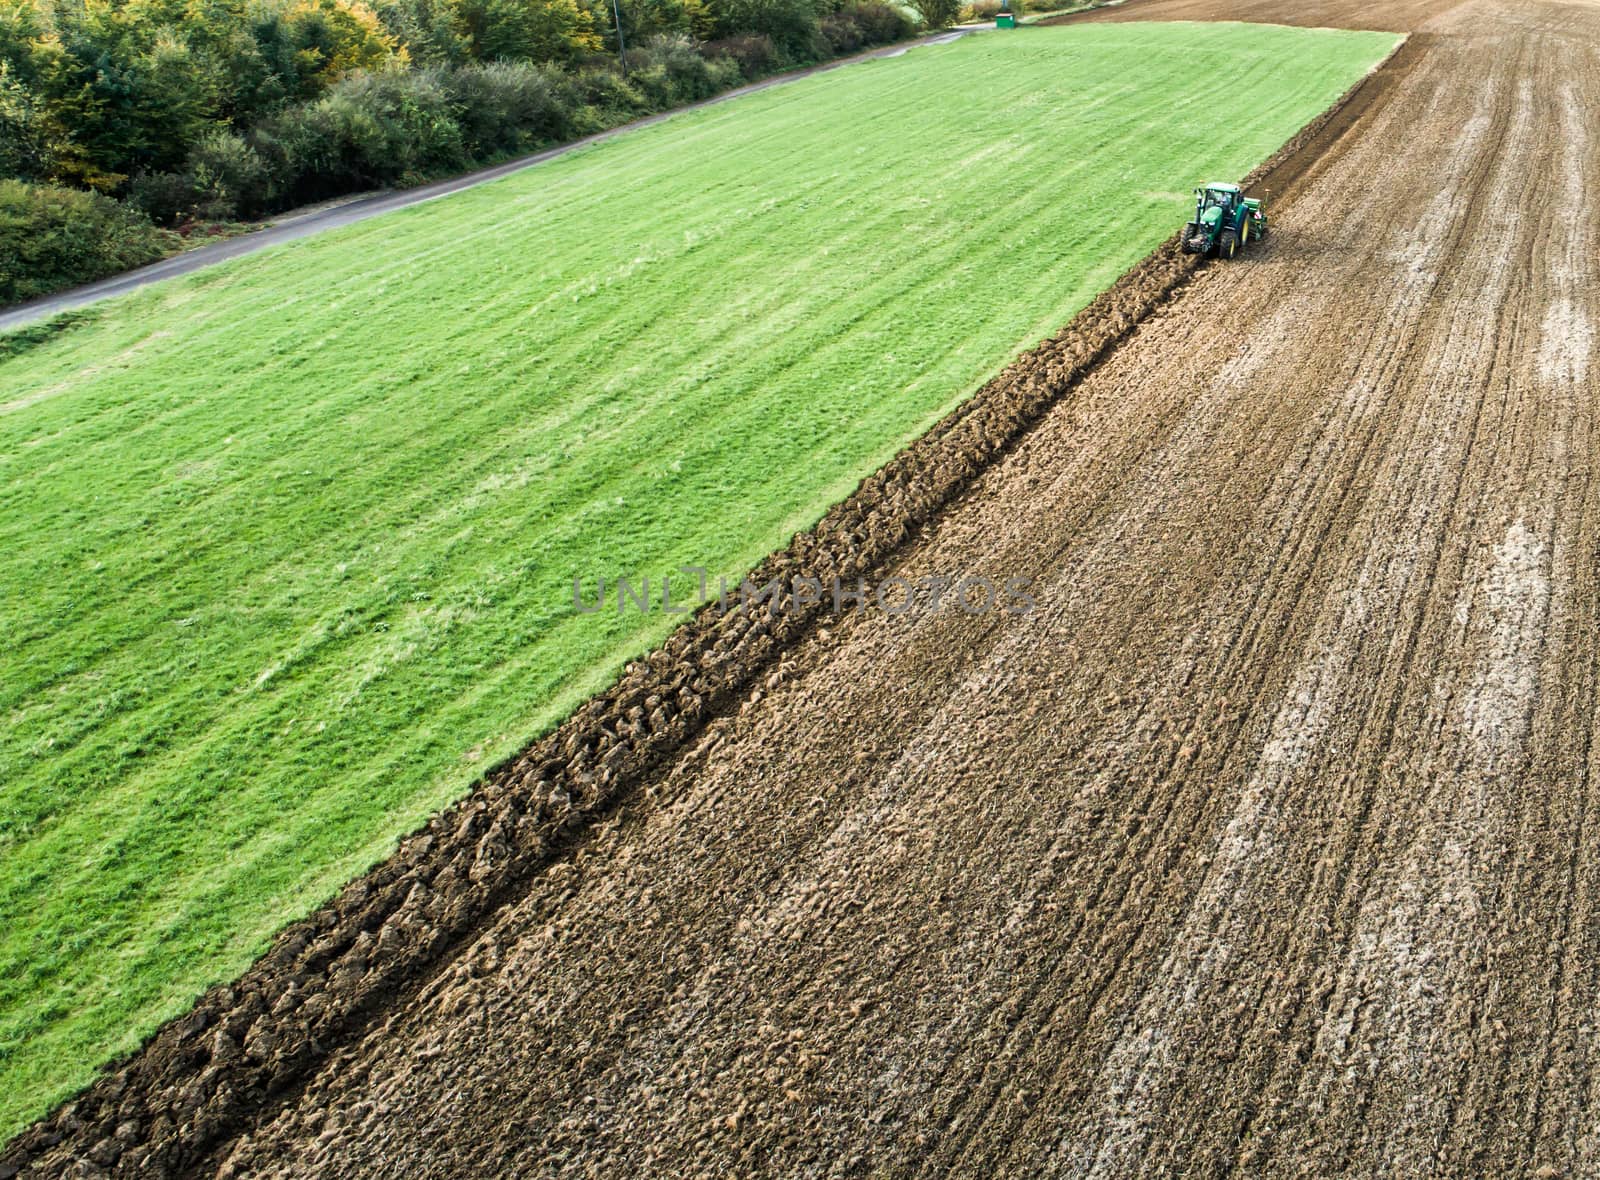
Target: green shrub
point(52, 238)
point(879, 23)
point(987, 10)
point(939, 14)
point(842, 33)
point(368, 131)
point(164, 197)
point(753, 54)
point(665, 70)
point(723, 73)
point(227, 176)
point(791, 24)
point(688, 71)
point(651, 81)
point(507, 107)
point(609, 94)
point(909, 12)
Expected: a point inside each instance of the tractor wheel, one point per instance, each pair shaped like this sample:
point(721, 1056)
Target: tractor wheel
point(1244, 234)
point(1229, 246)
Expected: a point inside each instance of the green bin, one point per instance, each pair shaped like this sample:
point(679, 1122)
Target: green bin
point(1005, 20)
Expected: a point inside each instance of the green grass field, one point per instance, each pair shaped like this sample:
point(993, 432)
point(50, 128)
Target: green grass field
point(287, 548)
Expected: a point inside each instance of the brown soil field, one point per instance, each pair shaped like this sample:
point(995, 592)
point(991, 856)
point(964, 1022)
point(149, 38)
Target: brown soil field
point(1261, 845)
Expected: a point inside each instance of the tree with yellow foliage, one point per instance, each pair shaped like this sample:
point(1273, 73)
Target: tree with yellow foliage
point(337, 37)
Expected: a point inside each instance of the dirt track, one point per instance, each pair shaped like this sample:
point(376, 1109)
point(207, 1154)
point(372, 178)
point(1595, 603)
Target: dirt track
point(1262, 844)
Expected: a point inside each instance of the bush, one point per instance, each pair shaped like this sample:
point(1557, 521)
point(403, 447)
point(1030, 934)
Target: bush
point(879, 23)
point(508, 107)
point(724, 73)
point(369, 131)
point(909, 12)
point(52, 238)
point(611, 96)
point(842, 33)
point(666, 72)
point(688, 73)
point(939, 14)
point(224, 178)
point(791, 24)
point(866, 23)
point(227, 177)
point(987, 10)
point(651, 81)
point(163, 197)
point(754, 55)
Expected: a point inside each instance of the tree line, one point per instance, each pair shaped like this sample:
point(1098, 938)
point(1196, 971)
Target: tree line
point(124, 120)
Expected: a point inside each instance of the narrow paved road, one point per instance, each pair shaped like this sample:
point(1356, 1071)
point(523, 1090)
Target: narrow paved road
point(1264, 845)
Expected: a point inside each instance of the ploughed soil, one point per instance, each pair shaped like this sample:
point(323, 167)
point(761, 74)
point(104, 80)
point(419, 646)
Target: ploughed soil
point(1262, 843)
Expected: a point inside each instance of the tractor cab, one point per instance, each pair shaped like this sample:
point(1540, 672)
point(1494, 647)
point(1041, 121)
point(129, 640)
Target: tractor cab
point(1216, 196)
point(1225, 221)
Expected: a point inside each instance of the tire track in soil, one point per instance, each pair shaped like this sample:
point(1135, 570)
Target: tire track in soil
point(1566, 348)
point(1263, 581)
point(1257, 847)
point(1259, 579)
point(1390, 956)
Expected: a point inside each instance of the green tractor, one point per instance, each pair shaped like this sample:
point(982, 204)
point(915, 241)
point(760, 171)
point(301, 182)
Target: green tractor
point(1225, 222)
